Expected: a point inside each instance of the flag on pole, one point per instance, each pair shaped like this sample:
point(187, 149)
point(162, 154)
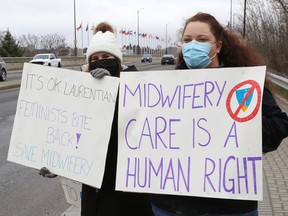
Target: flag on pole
point(87, 27)
point(79, 27)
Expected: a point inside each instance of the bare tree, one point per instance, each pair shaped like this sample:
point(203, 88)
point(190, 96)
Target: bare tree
point(30, 43)
point(53, 42)
point(44, 43)
point(267, 29)
point(283, 4)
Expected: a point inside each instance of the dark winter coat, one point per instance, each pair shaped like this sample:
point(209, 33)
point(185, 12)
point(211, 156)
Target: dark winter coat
point(274, 130)
point(106, 201)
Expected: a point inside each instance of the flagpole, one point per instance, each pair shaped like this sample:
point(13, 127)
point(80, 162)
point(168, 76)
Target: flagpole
point(122, 37)
point(82, 37)
point(129, 40)
point(166, 38)
point(87, 29)
point(125, 40)
point(75, 38)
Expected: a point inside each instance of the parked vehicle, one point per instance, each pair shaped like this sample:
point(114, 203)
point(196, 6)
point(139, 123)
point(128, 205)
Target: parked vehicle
point(3, 70)
point(48, 59)
point(167, 59)
point(146, 58)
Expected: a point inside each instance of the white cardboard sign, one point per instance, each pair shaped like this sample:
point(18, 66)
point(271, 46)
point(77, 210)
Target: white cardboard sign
point(72, 190)
point(63, 122)
point(191, 132)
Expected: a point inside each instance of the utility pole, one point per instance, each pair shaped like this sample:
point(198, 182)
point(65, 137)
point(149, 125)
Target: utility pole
point(138, 46)
point(166, 38)
point(230, 15)
point(75, 39)
point(244, 20)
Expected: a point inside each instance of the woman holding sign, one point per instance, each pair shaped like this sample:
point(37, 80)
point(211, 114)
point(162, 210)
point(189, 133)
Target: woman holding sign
point(206, 44)
point(105, 58)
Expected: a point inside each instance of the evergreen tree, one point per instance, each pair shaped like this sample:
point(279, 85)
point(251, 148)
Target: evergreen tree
point(9, 46)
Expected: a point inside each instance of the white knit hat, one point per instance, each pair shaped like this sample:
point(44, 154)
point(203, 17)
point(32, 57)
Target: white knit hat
point(104, 42)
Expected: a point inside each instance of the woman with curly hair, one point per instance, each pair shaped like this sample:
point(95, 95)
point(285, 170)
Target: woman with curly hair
point(206, 44)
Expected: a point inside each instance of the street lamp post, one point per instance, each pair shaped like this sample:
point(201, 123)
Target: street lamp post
point(166, 38)
point(75, 39)
point(138, 46)
point(244, 20)
point(230, 15)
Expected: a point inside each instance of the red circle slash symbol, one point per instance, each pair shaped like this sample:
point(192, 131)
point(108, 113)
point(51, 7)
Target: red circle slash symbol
point(234, 115)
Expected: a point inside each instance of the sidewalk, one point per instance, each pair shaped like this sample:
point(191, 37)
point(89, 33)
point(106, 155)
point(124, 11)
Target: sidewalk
point(275, 178)
point(9, 84)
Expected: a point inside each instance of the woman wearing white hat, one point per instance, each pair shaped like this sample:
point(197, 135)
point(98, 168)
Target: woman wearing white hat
point(105, 58)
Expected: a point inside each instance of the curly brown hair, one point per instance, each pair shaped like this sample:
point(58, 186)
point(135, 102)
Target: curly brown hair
point(235, 51)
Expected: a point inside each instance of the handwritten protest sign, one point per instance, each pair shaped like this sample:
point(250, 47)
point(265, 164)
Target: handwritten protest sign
point(72, 190)
point(63, 122)
point(191, 132)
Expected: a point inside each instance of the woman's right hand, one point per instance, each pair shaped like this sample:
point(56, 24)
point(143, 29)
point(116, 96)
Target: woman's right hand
point(99, 73)
point(46, 173)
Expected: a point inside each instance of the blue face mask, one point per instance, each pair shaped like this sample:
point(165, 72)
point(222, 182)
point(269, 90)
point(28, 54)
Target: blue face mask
point(196, 54)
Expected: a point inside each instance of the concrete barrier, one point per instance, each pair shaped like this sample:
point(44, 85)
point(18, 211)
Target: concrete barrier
point(16, 63)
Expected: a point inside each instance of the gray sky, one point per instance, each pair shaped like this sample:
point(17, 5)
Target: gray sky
point(57, 16)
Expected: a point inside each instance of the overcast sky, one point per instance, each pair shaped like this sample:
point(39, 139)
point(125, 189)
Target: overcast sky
point(57, 16)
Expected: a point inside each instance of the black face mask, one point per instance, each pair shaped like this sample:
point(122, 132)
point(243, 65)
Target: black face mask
point(112, 65)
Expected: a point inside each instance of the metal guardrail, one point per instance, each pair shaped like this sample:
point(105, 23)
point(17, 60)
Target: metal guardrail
point(278, 80)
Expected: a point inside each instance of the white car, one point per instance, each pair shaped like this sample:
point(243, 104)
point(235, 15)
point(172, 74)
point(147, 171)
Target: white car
point(48, 59)
point(3, 70)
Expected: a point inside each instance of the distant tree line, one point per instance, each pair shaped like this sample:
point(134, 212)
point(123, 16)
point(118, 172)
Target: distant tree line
point(267, 29)
point(29, 45)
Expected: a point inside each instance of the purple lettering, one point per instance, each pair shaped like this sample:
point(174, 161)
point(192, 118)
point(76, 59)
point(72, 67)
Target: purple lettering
point(147, 134)
point(184, 94)
point(141, 172)
point(207, 92)
point(195, 96)
point(244, 176)
point(232, 189)
point(220, 91)
point(131, 173)
point(207, 174)
point(232, 133)
point(156, 93)
point(126, 134)
point(137, 90)
point(254, 159)
point(167, 99)
point(197, 127)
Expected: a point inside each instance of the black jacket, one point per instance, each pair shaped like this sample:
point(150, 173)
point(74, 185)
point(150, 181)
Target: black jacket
point(274, 130)
point(274, 123)
point(106, 201)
